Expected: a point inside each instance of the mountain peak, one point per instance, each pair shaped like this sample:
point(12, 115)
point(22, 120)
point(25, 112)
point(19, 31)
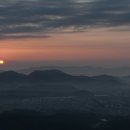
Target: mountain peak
point(10, 75)
point(48, 74)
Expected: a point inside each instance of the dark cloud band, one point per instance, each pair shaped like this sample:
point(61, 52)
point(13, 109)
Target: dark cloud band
point(45, 16)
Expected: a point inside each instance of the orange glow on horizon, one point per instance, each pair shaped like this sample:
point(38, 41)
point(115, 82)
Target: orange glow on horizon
point(94, 45)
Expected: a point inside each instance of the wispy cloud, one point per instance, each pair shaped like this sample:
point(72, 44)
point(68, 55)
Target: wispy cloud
point(31, 17)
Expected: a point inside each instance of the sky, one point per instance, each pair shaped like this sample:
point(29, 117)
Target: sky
point(64, 32)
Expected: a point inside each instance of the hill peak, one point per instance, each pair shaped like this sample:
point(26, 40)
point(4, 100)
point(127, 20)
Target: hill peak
point(10, 75)
point(48, 74)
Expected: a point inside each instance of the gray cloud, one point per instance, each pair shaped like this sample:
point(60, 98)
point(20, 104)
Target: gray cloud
point(32, 17)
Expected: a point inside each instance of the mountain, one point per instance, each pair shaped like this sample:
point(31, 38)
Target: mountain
point(7, 76)
point(83, 70)
point(57, 76)
point(54, 90)
point(105, 77)
point(107, 80)
point(48, 75)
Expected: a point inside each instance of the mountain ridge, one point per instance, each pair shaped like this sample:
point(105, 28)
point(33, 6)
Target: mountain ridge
point(55, 75)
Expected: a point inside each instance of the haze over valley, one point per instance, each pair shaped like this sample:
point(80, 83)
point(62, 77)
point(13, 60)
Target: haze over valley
point(64, 64)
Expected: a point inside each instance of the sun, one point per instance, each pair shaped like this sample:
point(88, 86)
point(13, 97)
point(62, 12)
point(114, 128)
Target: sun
point(2, 62)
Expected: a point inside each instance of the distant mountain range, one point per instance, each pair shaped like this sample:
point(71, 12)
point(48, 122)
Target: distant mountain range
point(83, 70)
point(57, 76)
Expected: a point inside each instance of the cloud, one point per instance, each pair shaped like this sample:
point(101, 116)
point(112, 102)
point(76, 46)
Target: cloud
point(32, 17)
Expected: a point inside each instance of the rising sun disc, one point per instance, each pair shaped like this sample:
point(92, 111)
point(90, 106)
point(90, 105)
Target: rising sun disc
point(2, 62)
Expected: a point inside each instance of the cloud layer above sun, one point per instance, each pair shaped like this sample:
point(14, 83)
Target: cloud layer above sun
point(39, 18)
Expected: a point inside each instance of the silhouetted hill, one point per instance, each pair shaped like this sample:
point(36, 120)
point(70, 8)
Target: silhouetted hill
point(107, 80)
point(84, 70)
point(105, 77)
point(10, 76)
point(58, 76)
point(48, 75)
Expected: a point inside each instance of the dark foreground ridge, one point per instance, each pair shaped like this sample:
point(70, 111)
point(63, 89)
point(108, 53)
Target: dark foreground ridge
point(31, 120)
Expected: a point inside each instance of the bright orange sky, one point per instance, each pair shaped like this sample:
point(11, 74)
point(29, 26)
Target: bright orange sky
point(97, 45)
